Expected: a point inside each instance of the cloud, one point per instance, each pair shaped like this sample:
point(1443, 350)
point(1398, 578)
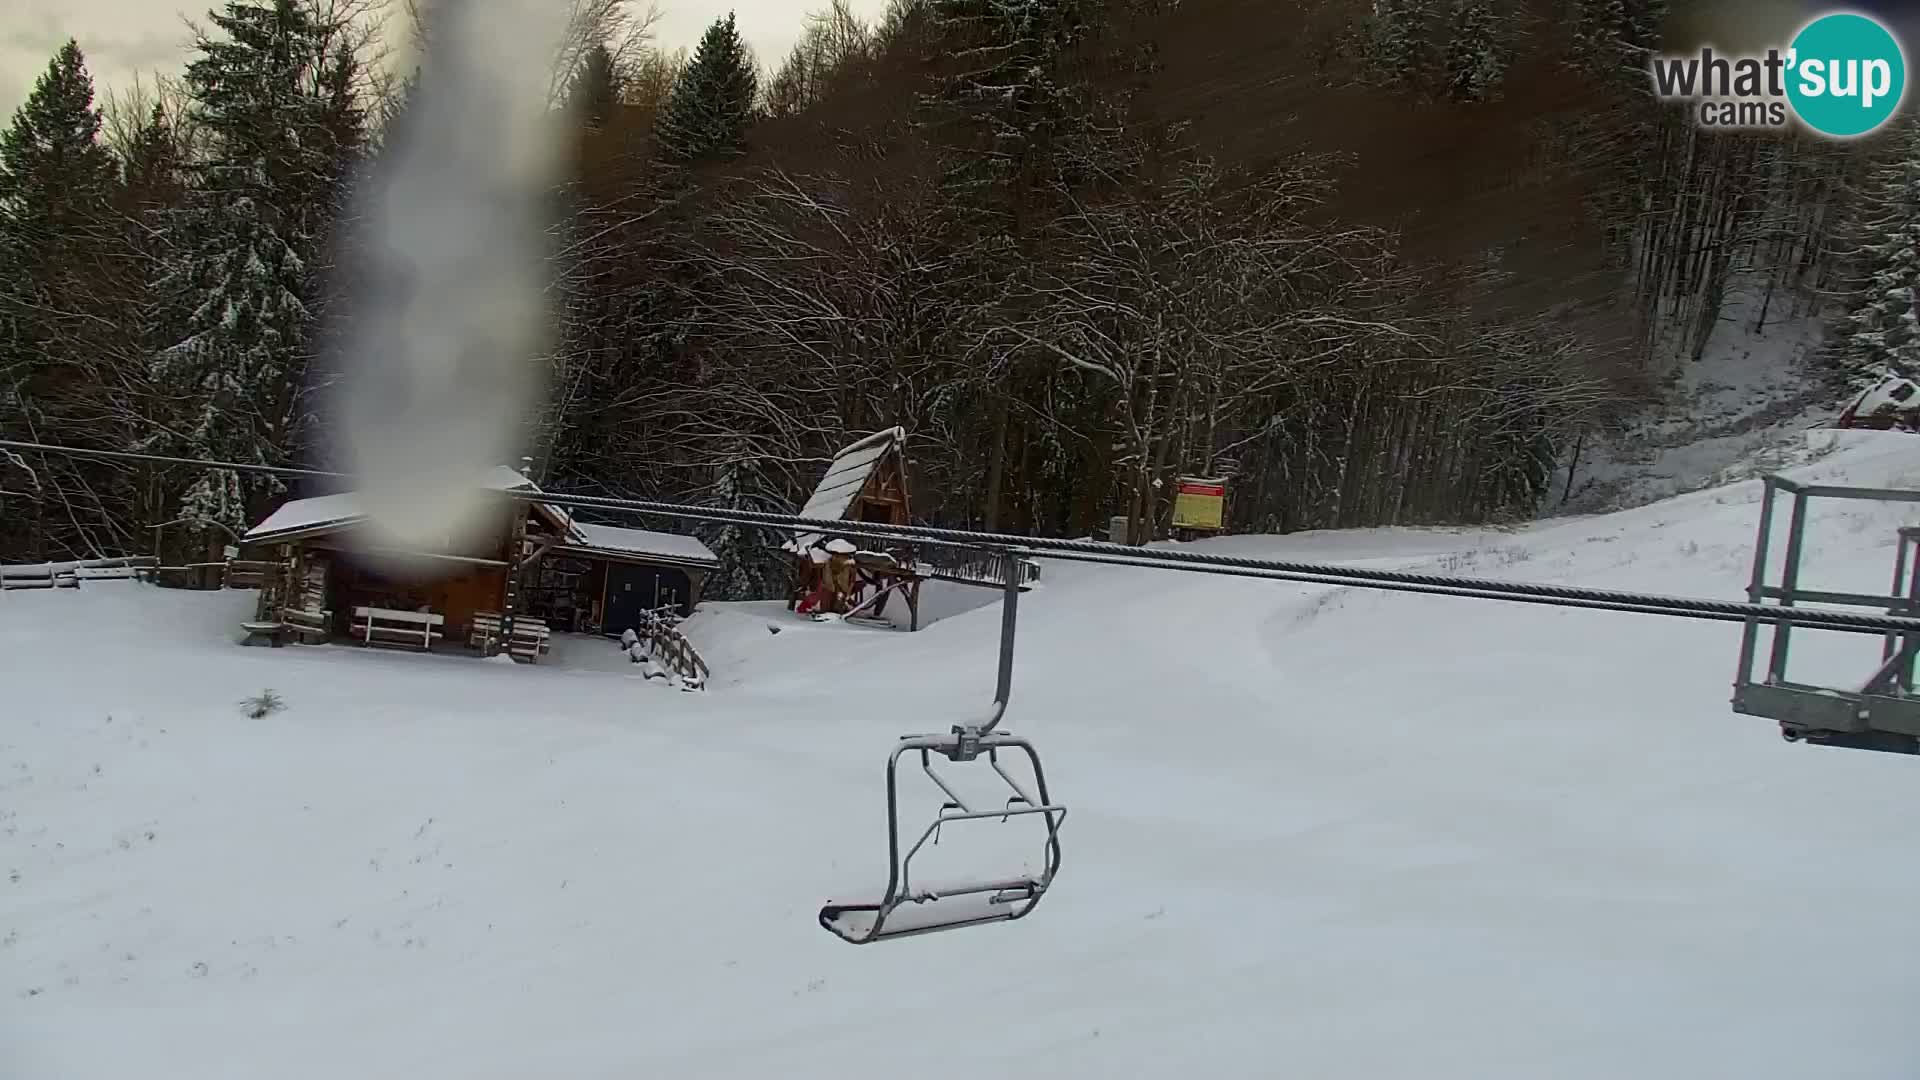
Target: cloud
point(126, 38)
point(121, 39)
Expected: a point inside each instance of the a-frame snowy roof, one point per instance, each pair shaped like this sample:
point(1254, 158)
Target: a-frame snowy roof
point(332, 513)
point(673, 548)
point(1890, 395)
point(846, 478)
point(324, 514)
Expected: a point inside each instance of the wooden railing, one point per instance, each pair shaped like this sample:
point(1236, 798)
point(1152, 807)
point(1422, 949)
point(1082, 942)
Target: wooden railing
point(669, 647)
point(247, 574)
point(531, 637)
point(234, 573)
point(311, 626)
point(69, 575)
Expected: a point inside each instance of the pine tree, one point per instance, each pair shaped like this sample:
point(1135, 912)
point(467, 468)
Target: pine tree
point(1611, 40)
point(712, 104)
point(1640, 29)
point(1021, 121)
point(1015, 101)
point(57, 241)
point(1475, 58)
point(151, 172)
point(596, 88)
point(278, 109)
point(1880, 332)
point(1399, 45)
point(749, 566)
point(1593, 34)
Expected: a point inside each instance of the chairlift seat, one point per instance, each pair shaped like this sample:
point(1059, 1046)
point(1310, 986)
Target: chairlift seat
point(908, 908)
point(929, 912)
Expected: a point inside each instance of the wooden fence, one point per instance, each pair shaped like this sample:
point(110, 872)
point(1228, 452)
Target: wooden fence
point(669, 647)
point(234, 573)
point(69, 575)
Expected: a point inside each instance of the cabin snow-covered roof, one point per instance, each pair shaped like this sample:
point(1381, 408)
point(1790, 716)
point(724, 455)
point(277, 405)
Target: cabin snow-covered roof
point(329, 513)
point(846, 477)
point(333, 513)
point(1891, 394)
point(671, 547)
point(301, 515)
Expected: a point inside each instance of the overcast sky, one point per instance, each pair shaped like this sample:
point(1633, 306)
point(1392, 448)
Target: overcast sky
point(122, 37)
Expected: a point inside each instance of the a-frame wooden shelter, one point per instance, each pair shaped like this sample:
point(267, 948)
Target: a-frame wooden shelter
point(866, 482)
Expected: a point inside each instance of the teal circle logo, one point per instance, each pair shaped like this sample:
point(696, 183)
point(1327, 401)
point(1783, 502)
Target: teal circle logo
point(1846, 75)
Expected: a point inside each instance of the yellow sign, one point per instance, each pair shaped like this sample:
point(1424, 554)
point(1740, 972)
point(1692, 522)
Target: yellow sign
point(1199, 504)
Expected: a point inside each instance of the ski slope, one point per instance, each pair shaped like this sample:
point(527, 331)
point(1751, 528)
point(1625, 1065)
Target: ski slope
point(1314, 832)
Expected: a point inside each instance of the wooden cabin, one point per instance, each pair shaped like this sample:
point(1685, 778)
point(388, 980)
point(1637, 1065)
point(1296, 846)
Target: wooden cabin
point(572, 576)
point(1893, 403)
point(866, 482)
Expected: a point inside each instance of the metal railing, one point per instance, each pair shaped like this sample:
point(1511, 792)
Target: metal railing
point(1876, 713)
point(976, 566)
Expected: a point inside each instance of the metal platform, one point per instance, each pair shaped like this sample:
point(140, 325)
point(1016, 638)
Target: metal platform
point(1881, 712)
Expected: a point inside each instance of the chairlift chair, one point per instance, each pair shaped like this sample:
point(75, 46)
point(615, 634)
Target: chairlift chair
point(905, 909)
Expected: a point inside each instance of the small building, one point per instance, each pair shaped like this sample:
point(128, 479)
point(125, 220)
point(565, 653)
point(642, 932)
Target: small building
point(866, 482)
point(1893, 403)
point(572, 576)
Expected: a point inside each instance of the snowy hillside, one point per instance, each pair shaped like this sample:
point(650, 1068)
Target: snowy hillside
point(1742, 409)
point(1314, 832)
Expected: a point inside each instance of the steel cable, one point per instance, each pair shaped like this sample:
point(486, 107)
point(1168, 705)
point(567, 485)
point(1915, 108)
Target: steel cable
point(1161, 559)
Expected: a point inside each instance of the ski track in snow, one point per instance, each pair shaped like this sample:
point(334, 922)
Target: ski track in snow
point(1313, 832)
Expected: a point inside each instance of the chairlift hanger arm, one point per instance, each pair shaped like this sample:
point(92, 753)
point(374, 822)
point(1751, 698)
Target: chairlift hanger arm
point(904, 910)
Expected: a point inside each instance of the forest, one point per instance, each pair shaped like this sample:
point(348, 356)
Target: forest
point(1380, 263)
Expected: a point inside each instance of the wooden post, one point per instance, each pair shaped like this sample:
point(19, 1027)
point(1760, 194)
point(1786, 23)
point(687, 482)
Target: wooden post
point(516, 556)
point(600, 606)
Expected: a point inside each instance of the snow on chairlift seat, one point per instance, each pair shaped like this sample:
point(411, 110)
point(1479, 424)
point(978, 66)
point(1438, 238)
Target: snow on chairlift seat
point(1000, 901)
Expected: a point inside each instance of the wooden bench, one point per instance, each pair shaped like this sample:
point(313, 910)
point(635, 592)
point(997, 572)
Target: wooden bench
point(308, 627)
point(106, 573)
point(270, 634)
point(416, 629)
point(532, 638)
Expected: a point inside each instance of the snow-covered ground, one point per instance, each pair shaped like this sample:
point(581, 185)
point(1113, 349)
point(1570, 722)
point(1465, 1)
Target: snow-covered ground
point(1740, 410)
point(1314, 832)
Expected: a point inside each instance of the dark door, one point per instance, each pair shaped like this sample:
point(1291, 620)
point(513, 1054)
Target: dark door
point(634, 589)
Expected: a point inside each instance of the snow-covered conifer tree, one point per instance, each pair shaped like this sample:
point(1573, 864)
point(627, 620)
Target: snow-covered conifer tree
point(58, 239)
point(1880, 333)
point(1398, 39)
point(1476, 57)
point(277, 108)
point(749, 561)
point(712, 103)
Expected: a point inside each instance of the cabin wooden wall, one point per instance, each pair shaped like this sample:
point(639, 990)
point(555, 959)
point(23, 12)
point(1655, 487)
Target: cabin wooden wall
point(482, 589)
point(457, 592)
point(884, 500)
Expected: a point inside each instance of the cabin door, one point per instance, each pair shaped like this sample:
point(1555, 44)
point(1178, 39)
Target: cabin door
point(634, 589)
